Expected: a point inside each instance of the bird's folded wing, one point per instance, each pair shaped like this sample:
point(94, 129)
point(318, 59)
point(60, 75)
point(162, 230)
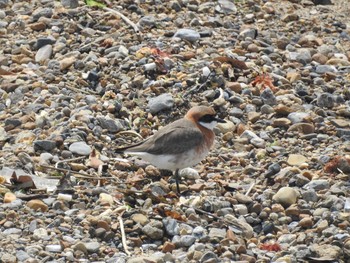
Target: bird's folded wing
point(176, 140)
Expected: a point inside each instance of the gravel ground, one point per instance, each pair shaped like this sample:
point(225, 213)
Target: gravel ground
point(78, 81)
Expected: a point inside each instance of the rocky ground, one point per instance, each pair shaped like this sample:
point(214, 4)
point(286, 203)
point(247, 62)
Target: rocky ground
point(77, 81)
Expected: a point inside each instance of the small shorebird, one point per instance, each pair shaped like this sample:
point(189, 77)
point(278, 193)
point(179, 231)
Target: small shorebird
point(180, 144)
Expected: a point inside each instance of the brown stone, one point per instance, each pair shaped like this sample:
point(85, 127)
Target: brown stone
point(38, 26)
point(168, 247)
point(9, 197)
point(234, 86)
point(37, 205)
point(305, 128)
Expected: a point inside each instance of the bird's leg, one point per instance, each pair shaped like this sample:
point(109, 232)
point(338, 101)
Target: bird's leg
point(177, 180)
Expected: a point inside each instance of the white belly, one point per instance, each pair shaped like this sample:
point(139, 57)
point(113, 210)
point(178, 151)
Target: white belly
point(172, 162)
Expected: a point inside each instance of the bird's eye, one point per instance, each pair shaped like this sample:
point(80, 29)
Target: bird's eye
point(207, 118)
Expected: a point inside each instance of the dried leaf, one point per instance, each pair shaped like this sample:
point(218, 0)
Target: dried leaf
point(264, 81)
point(94, 3)
point(175, 215)
point(233, 62)
point(271, 246)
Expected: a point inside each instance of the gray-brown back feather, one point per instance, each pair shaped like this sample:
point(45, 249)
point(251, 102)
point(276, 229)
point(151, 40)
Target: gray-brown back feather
point(175, 138)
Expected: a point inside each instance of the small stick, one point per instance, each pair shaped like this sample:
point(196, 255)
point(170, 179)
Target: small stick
point(123, 234)
point(69, 160)
point(126, 20)
point(77, 174)
point(131, 133)
point(250, 188)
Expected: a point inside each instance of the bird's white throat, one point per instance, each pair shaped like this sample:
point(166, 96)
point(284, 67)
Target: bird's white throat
point(209, 125)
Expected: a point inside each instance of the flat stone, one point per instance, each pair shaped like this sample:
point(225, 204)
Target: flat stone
point(160, 103)
point(286, 196)
point(296, 159)
point(37, 205)
point(80, 148)
point(43, 54)
point(305, 128)
point(340, 123)
point(187, 34)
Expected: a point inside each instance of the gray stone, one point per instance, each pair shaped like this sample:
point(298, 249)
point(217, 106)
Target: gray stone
point(53, 248)
point(319, 184)
point(226, 7)
point(80, 148)
point(109, 124)
point(153, 230)
point(147, 21)
point(21, 255)
point(42, 12)
point(268, 97)
point(12, 231)
point(162, 102)
point(209, 257)
point(43, 54)
point(325, 100)
point(217, 233)
point(171, 226)
point(44, 145)
point(3, 3)
point(187, 34)
point(189, 173)
point(70, 3)
point(43, 41)
point(321, 69)
point(92, 247)
point(187, 240)
point(298, 117)
point(248, 33)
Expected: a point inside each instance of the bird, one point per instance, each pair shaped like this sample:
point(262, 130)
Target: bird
point(180, 144)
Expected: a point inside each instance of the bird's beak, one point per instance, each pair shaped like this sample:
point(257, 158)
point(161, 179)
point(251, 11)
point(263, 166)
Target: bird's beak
point(220, 120)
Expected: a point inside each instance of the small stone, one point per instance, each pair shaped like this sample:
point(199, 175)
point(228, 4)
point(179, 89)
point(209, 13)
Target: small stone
point(9, 197)
point(326, 250)
point(305, 128)
point(37, 204)
point(209, 257)
point(321, 69)
point(226, 7)
point(281, 122)
point(243, 199)
point(318, 184)
point(70, 3)
point(286, 196)
point(290, 17)
point(160, 103)
point(189, 173)
point(297, 117)
point(43, 54)
point(53, 248)
point(306, 222)
point(92, 247)
point(113, 126)
point(187, 34)
point(67, 62)
point(228, 126)
point(171, 226)
point(340, 123)
point(80, 148)
point(168, 247)
point(325, 100)
point(219, 233)
point(44, 145)
point(268, 97)
point(140, 218)
point(106, 199)
point(187, 240)
point(296, 159)
point(154, 230)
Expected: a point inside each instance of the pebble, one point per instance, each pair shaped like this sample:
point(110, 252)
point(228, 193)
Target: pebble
point(286, 196)
point(43, 54)
point(153, 230)
point(296, 159)
point(37, 205)
point(160, 103)
point(80, 148)
point(187, 34)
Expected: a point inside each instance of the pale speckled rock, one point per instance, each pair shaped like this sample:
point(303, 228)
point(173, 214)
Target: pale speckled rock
point(286, 196)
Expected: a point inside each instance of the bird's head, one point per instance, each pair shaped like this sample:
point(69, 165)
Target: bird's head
point(204, 116)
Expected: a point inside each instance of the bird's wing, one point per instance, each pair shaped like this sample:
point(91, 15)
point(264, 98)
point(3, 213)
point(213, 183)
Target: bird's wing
point(175, 138)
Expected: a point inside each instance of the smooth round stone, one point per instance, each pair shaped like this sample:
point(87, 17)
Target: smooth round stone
point(160, 103)
point(80, 148)
point(296, 159)
point(187, 34)
point(286, 196)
